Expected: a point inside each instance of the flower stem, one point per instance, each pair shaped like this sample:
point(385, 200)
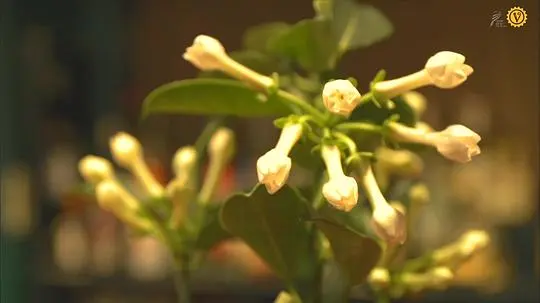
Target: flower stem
point(359, 126)
point(319, 117)
point(182, 280)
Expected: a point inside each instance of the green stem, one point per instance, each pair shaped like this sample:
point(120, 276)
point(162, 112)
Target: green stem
point(207, 133)
point(361, 126)
point(382, 298)
point(215, 170)
point(319, 117)
point(182, 280)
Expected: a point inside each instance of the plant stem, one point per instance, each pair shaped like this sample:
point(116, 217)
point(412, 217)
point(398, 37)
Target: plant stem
point(305, 106)
point(207, 133)
point(182, 280)
point(359, 126)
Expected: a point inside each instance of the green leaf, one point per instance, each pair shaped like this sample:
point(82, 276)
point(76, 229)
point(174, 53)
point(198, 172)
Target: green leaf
point(308, 42)
point(212, 97)
point(358, 25)
point(273, 226)
point(261, 37)
point(212, 232)
point(255, 60)
point(302, 155)
point(353, 241)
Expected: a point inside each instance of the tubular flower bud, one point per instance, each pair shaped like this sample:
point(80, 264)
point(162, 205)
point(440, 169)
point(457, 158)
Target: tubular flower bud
point(273, 168)
point(473, 241)
point(388, 223)
point(456, 142)
point(221, 145)
point(95, 169)
point(340, 97)
point(444, 69)
point(341, 191)
point(112, 197)
point(402, 163)
point(127, 152)
point(207, 53)
point(419, 194)
point(221, 150)
point(440, 277)
point(184, 160)
point(416, 101)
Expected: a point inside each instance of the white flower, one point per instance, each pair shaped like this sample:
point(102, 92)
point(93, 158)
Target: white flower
point(456, 142)
point(444, 69)
point(341, 191)
point(340, 97)
point(447, 69)
point(95, 169)
point(127, 152)
point(206, 53)
point(388, 223)
point(273, 168)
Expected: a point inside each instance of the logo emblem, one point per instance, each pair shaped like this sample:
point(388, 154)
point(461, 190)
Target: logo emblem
point(516, 16)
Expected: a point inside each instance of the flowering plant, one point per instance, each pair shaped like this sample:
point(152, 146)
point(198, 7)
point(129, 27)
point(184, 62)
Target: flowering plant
point(359, 148)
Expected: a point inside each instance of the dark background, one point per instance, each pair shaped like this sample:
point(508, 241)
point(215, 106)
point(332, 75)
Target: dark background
point(69, 68)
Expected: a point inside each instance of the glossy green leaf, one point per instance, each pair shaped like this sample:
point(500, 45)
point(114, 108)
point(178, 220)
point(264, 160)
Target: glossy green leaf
point(261, 37)
point(212, 97)
point(357, 25)
point(255, 60)
point(273, 226)
point(302, 155)
point(308, 42)
point(212, 232)
point(353, 242)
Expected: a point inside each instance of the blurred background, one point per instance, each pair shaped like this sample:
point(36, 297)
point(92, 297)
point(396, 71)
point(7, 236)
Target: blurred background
point(75, 72)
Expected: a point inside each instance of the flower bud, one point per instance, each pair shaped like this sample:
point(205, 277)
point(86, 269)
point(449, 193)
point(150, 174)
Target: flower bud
point(416, 101)
point(127, 152)
point(456, 142)
point(112, 197)
point(95, 169)
point(389, 224)
point(285, 297)
point(273, 170)
point(447, 69)
point(473, 241)
point(125, 149)
point(419, 194)
point(379, 278)
point(423, 127)
point(206, 53)
point(402, 163)
point(440, 277)
point(340, 97)
point(222, 145)
point(341, 191)
point(184, 160)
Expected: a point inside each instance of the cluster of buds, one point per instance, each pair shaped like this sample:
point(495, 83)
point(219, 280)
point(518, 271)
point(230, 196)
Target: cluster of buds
point(340, 97)
point(435, 270)
point(127, 152)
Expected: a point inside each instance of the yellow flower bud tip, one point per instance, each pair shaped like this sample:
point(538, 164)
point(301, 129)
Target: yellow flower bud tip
point(416, 101)
point(419, 193)
point(473, 241)
point(108, 195)
point(222, 143)
point(379, 277)
point(184, 159)
point(400, 162)
point(95, 169)
point(126, 149)
point(441, 275)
